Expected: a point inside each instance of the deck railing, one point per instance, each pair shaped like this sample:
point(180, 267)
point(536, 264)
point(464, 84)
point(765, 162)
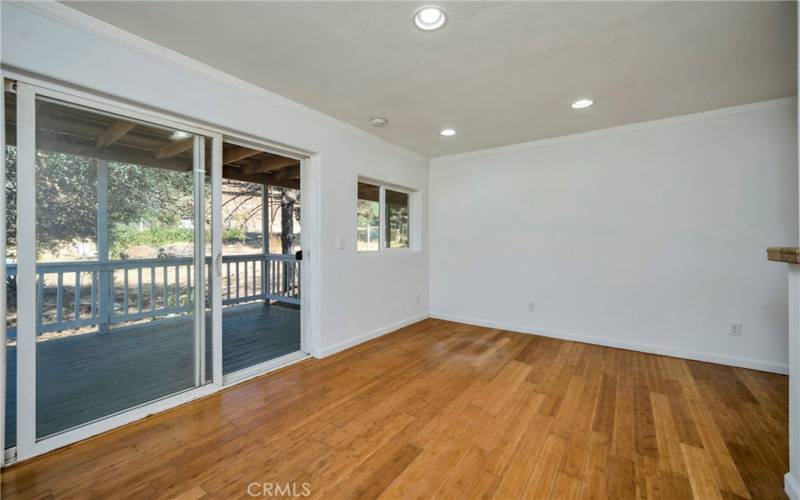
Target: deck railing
point(92, 293)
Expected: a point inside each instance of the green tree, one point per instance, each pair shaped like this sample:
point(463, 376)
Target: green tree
point(66, 198)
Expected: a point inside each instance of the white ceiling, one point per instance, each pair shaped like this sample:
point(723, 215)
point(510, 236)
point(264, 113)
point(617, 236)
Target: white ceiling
point(499, 72)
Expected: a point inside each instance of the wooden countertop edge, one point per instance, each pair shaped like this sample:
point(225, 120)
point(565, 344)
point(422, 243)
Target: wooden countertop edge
point(790, 255)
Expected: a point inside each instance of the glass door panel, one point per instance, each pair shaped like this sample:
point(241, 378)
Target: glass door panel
point(116, 253)
point(260, 275)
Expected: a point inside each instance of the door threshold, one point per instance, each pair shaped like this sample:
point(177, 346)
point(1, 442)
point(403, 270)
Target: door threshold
point(263, 368)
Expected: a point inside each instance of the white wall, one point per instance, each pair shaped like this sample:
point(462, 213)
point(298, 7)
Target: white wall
point(651, 236)
point(360, 295)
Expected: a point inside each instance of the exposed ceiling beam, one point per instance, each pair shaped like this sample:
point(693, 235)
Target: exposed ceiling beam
point(238, 153)
point(47, 140)
point(264, 179)
point(270, 164)
point(174, 148)
point(368, 192)
point(287, 173)
point(114, 132)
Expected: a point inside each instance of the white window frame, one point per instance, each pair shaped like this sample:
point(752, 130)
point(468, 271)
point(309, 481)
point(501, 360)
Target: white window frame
point(413, 217)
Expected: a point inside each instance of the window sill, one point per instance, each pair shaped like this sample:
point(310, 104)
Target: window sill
point(389, 251)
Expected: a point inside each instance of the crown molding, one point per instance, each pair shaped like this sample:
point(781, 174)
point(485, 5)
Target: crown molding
point(621, 129)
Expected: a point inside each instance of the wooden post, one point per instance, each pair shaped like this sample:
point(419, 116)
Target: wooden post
point(287, 237)
point(105, 295)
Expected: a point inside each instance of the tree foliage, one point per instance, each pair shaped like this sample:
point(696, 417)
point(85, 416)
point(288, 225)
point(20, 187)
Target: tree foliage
point(368, 211)
point(66, 202)
point(66, 198)
point(11, 201)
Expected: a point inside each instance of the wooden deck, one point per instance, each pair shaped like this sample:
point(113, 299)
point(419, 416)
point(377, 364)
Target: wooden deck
point(85, 377)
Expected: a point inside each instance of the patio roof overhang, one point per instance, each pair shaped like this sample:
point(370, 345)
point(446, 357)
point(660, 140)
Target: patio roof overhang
point(63, 128)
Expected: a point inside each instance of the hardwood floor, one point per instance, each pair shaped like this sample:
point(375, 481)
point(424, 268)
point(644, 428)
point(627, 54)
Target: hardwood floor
point(440, 409)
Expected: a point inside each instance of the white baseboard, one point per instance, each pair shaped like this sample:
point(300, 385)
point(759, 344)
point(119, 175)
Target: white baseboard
point(754, 364)
point(791, 487)
point(341, 346)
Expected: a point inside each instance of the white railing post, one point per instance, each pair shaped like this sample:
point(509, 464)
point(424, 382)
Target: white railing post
point(266, 225)
point(104, 286)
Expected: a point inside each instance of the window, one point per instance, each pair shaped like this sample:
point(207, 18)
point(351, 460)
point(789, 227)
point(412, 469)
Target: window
point(368, 218)
point(383, 217)
point(396, 219)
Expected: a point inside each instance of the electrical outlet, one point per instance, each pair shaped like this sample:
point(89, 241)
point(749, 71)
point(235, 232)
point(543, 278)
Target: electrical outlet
point(531, 306)
point(735, 330)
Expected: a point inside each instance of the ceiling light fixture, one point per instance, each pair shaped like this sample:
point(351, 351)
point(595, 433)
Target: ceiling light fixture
point(180, 134)
point(430, 18)
point(378, 121)
point(448, 132)
point(582, 103)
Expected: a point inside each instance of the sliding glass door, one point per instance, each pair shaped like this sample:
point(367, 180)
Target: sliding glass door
point(112, 265)
point(120, 299)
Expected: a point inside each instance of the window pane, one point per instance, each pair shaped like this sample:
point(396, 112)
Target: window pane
point(396, 219)
point(259, 320)
point(368, 226)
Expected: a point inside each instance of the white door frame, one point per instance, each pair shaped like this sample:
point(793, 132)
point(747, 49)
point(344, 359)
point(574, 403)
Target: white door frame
point(3, 276)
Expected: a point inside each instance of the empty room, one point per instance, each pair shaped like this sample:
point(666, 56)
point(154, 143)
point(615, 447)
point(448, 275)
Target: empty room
point(367, 249)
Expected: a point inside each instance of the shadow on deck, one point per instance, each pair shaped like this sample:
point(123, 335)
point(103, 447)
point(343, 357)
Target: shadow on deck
point(85, 377)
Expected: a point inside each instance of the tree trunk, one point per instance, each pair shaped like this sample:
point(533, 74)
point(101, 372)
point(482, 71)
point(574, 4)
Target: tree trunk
point(287, 222)
point(287, 232)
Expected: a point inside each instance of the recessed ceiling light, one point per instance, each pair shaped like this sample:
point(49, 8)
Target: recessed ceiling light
point(180, 134)
point(378, 121)
point(429, 18)
point(582, 103)
point(448, 132)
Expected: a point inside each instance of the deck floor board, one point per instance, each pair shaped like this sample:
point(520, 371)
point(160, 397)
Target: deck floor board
point(84, 377)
